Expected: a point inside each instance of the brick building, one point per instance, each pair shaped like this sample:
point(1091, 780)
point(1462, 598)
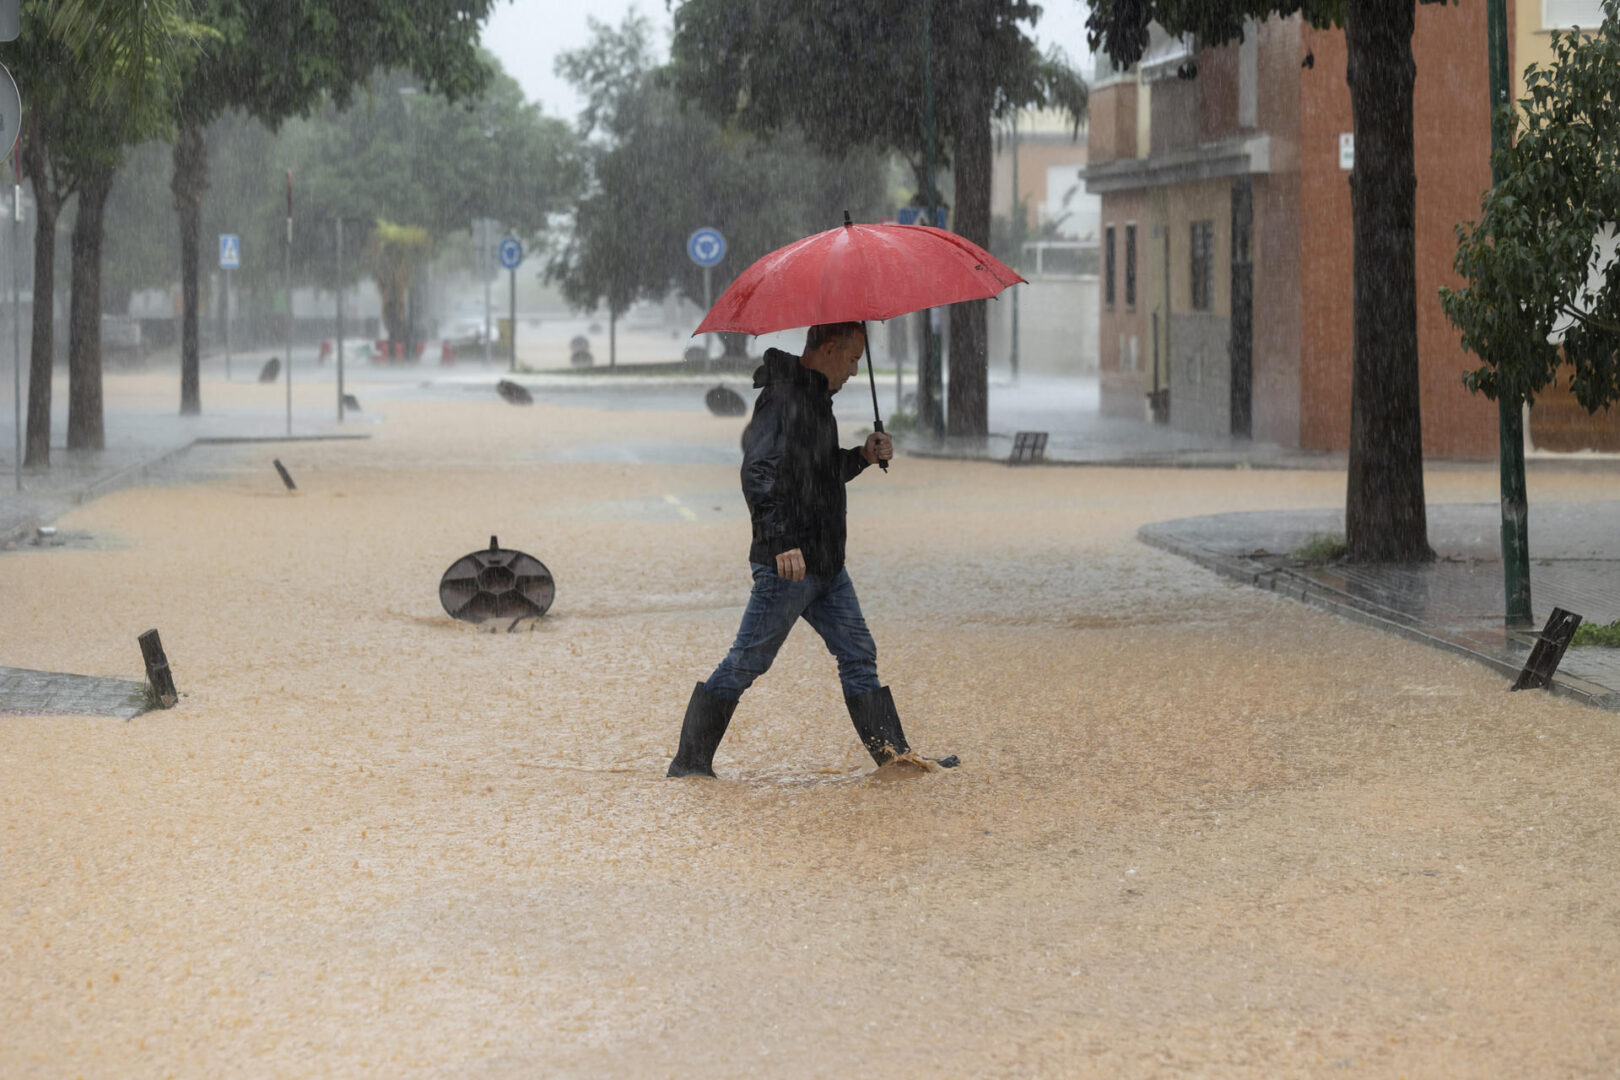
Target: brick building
point(1226, 281)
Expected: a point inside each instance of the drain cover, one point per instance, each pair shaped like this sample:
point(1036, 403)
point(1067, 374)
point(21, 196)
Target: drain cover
point(496, 584)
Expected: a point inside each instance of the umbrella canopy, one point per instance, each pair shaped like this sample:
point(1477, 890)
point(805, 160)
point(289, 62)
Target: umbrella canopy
point(856, 273)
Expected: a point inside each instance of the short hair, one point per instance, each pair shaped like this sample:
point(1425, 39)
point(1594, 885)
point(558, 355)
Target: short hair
point(822, 333)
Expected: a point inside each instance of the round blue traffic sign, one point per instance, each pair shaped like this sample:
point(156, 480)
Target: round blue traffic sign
point(706, 246)
point(510, 253)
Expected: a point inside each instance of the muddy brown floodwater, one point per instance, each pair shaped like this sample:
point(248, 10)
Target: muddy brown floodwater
point(1199, 830)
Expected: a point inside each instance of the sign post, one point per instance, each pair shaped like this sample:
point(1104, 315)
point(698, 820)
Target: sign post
point(10, 122)
point(486, 235)
point(340, 318)
point(230, 258)
point(706, 248)
point(287, 277)
point(16, 313)
point(511, 256)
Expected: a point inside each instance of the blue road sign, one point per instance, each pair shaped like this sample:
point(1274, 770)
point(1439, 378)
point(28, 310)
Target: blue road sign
point(510, 253)
point(706, 246)
point(916, 215)
point(230, 251)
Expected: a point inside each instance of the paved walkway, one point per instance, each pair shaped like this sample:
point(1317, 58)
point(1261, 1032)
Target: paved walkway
point(141, 435)
point(52, 693)
point(1455, 602)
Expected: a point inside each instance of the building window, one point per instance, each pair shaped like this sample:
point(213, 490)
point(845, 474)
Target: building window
point(1203, 265)
point(1108, 266)
point(1130, 266)
point(1557, 14)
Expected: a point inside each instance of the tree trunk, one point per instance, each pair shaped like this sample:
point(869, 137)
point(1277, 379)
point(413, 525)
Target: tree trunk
point(84, 429)
point(42, 344)
point(967, 408)
point(1385, 517)
point(189, 182)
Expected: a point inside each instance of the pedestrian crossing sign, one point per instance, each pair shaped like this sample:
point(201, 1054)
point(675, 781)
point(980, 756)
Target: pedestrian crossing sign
point(230, 251)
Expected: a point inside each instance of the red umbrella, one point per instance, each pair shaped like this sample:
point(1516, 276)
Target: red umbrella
point(857, 273)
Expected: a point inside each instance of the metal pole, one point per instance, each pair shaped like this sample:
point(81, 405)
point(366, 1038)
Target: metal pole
point(483, 272)
point(1509, 407)
point(613, 338)
point(287, 278)
point(929, 384)
point(340, 318)
point(512, 319)
point(16, 322)
point(227, 324)
point(1018, 241)
point(708, 302)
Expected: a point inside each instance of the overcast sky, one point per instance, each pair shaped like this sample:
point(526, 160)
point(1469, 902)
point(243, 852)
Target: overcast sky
point(527, 35)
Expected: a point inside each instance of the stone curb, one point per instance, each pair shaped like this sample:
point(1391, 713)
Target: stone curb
point(1315, 594)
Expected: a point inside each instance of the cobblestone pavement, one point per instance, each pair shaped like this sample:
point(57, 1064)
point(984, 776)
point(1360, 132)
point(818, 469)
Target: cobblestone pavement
point(1456, 601)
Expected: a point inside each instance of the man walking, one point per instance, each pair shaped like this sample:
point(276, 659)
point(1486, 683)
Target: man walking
point(793, 479)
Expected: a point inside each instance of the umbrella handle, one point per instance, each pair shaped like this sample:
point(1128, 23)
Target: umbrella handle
point(877, 419)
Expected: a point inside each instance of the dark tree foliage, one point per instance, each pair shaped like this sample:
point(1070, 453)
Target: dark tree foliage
point(1385, 516)
point(276, 59)
point(659, 171)
point(94, 80)
point(850, 73)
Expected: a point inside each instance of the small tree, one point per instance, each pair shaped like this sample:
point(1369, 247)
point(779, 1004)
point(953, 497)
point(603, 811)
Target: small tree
point(1543, 293)
point(394, 254)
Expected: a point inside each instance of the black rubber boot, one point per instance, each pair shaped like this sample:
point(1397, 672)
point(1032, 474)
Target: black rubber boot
point(877, 722)
point(701, 732)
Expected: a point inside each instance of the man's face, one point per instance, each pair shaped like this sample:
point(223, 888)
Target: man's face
point(843, 360)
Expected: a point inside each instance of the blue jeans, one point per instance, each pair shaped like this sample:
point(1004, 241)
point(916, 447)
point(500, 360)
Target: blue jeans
point(831, 609)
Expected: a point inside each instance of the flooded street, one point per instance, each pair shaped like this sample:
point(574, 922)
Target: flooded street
point(1198, 830)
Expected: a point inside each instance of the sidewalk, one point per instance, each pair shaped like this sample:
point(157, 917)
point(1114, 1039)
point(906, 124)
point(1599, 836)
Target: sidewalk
point(1456, 602)
point(1066, 409)
point(143, 431)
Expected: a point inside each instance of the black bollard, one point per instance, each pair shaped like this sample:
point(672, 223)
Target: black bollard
point(513, 393)
point(724, 401)
point(157, 669)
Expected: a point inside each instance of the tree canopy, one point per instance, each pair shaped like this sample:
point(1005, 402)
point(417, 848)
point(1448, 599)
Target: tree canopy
point(1542, 297)
point(659, 171)
point(850, 73)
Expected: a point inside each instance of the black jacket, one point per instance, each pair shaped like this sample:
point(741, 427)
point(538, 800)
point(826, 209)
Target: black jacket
point(794, 472)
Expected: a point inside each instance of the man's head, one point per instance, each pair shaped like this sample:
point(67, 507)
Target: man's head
point(834, 349)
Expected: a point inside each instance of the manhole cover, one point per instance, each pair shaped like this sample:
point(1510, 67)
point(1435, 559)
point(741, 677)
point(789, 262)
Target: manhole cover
point(496, 583)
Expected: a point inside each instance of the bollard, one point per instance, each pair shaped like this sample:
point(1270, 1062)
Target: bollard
point(157, 669)
point(514, 393)
point(724, 401)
